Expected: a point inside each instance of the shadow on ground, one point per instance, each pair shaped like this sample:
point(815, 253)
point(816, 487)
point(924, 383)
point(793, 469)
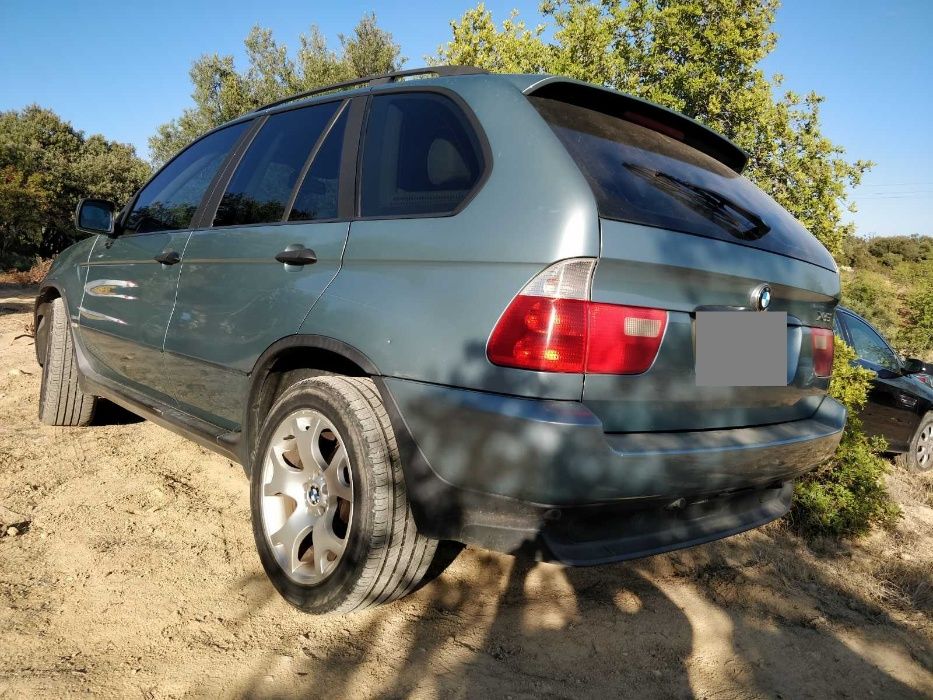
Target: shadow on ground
point(715, 621)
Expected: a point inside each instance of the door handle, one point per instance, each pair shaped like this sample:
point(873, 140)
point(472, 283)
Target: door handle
point(169, 257)
point(297, 256)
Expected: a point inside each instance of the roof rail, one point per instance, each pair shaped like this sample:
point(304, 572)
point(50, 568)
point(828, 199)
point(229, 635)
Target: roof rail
point(382, 79)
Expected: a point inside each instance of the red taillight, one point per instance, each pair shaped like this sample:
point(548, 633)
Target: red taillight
point(822, 351)
point(548, 332)
point(548, 335)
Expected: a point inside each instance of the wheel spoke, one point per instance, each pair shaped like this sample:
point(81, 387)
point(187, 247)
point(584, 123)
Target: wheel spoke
point(307, 433)
point(290, 536)
point(325, 540)
point(333, 476)
point(285, 481)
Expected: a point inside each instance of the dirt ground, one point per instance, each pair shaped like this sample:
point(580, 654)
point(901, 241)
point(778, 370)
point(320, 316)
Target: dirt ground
point(127, 568)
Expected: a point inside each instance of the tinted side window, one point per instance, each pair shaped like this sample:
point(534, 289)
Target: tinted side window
point(263, 182)
point(869, 346)
point(420, 156)
point(317, 197)
point(171, 199)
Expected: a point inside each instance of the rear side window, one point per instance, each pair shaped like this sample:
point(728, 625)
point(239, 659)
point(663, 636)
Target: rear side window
point(266, 176)
point(420, 156)
point(643, 176)
point(170, 200)
point(317, 196)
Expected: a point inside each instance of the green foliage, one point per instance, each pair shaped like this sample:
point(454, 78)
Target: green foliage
point(889, 281)
point(874, 296)
point(46, 165)
point(847, 496)
point(699, 57)
point(916, 338)
point(221, 92)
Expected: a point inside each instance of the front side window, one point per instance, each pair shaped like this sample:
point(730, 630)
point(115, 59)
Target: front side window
point(263, 182)
point(420, 156)
point(170, 200)
point(869, 346)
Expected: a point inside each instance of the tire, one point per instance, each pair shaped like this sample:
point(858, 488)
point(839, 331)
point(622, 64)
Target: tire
point(919, 457)
point(61, 401)
point(352, 498)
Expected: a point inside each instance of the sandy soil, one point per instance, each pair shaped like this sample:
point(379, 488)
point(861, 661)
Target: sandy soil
point(127, 568)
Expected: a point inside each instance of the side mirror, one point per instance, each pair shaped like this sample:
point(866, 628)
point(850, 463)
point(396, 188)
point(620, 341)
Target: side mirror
point(914, 366)
point(95, 216)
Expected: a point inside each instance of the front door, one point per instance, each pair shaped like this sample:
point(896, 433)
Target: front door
point(127, 301)
point(250, 278)
point(132, 277)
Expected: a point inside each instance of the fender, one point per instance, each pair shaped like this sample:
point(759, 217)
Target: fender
point(338, 356)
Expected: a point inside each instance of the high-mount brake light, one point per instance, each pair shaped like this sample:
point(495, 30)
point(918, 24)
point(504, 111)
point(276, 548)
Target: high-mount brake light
point(822, 351)
point(552, 326)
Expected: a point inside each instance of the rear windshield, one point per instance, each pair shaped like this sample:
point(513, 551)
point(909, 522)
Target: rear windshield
point(646, 177)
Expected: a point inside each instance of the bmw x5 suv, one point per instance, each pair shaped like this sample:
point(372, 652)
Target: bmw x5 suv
point(463, 307)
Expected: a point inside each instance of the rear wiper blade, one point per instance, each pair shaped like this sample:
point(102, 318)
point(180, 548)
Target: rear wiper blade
point(708, 202)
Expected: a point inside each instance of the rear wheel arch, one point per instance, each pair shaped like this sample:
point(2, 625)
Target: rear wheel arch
point(288, 361)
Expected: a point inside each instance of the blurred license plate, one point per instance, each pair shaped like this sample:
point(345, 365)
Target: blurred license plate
point(741, 348)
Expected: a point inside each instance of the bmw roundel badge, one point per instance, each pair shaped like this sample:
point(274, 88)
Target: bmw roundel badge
point(761, 297)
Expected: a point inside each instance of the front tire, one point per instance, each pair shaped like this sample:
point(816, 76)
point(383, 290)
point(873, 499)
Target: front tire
point(329, 507)
point(920, 455)
point(61, 401)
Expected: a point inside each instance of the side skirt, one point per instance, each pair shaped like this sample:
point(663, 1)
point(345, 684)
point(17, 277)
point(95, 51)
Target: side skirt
point(206, 434)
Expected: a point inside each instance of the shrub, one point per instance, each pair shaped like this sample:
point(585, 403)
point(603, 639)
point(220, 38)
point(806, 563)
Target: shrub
point(847, 496)
point(30, 276)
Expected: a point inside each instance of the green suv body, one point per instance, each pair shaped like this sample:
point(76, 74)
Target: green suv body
point(478, 295)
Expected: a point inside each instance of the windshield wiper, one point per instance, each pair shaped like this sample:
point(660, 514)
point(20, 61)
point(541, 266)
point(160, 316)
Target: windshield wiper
point(709, 203)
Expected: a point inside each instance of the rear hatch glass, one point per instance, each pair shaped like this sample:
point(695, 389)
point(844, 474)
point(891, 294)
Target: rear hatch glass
point(641, 175)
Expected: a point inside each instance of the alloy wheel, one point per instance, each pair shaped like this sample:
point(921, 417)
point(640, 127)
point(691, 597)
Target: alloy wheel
point(307, 496)
point(925, 446)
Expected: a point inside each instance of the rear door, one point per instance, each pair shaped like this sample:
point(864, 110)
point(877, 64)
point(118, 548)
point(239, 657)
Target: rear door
point(891, 410)
point(132, 278)
point(270, 243)
point(684, 233)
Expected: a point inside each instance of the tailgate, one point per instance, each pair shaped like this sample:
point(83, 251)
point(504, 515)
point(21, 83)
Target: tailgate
point(652, 267)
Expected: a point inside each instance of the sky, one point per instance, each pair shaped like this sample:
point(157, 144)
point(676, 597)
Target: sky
point(121, 69)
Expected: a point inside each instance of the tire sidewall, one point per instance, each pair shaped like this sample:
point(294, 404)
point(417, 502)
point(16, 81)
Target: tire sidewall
point(336, 588)
point(43, 384)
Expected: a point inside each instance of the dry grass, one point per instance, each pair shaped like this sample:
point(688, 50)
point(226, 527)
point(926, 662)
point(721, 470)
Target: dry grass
point(32, 276)
point(889, 571)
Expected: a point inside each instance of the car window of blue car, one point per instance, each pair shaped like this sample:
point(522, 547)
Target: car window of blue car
point(420, 156)
point(317, 196)
point(869, 346)
point(263, 182)
point(172, 197)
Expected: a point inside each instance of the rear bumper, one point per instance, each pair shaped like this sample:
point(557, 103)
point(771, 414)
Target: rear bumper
point(521, 474)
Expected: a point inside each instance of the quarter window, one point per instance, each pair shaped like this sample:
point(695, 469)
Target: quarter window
point(420, 156)
point(170, 200)
point(264, 180)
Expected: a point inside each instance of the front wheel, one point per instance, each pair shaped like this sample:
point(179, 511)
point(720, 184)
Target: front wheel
point(329, 507)
point(920, 454)
point(61, 401)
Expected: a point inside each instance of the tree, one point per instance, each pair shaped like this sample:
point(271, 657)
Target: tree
point(221, 92)
point(699, 57)
point(46, 165)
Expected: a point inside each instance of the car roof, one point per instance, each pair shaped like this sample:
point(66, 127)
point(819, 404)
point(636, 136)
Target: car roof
point(450, 77)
